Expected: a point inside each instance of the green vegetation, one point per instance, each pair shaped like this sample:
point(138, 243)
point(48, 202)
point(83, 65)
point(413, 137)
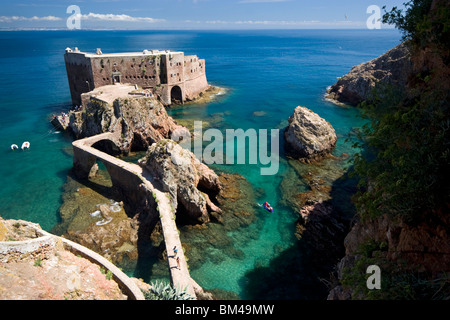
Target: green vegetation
point(407, 142)
point(406, 155)
point(164, 291)
point(38, 262)
point(418, 25)
point(108, 274)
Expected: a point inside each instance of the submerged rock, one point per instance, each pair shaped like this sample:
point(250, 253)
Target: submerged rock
point(217, 242)
point(393, 67)
point(309, 136)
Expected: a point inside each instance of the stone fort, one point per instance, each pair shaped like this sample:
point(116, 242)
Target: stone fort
point(171, 76)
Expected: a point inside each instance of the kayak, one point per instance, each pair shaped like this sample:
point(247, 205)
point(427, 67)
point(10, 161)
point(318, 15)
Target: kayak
point(267, 208)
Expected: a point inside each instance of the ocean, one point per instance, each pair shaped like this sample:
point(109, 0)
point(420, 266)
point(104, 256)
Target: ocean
point(266, 74)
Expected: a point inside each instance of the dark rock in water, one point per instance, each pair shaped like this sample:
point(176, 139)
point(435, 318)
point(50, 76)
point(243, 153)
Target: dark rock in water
point(309, 136)
point(393, 67)
point(324, 229)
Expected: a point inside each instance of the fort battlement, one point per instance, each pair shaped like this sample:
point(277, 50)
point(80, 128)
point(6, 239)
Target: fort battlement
point(171, 75)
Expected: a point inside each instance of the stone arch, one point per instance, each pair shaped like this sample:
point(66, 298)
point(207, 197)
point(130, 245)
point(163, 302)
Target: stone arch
point(138, 143)
point(107, 146)
point(176, 95)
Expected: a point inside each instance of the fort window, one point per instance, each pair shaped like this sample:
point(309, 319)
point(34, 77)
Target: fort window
point(116, 78)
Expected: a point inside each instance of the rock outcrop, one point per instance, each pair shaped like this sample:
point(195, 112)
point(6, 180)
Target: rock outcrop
point(183, 176)
point(323, 228)
point(308, 136)
point(393, 67)
point(141, 121)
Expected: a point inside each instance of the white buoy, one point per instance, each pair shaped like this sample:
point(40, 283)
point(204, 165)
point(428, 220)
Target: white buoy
point(25, 145)
point(14, 147)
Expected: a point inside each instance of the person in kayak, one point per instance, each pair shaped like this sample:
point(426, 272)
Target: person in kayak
point(267, 206)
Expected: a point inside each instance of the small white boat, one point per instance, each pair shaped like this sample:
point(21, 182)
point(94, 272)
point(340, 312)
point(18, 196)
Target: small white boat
point(25, 145)
point(14, 147)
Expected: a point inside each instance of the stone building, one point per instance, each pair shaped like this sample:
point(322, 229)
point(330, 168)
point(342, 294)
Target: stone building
point(171, 75)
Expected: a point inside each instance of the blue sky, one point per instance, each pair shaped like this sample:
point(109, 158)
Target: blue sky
point(191, 14)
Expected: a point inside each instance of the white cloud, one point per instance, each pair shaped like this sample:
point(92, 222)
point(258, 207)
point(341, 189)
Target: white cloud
point(117, 17)
point(22, 18)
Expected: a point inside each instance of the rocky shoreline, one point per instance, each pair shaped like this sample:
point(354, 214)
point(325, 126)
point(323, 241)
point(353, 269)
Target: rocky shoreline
point(196, 191)
point(413, 253)
point(392, 68)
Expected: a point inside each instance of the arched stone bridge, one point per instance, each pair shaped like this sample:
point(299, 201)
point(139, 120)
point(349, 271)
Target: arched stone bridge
point(131, 179)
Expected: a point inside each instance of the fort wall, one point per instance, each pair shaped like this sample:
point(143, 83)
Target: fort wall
point(172, 76)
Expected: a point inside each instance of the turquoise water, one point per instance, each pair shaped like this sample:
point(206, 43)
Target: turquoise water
point(267, 71)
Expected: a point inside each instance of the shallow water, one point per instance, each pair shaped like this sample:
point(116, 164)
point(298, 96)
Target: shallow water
point(266, 73)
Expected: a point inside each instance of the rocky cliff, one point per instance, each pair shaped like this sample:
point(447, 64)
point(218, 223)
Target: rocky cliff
point(141, 120)
point(411, 255)
point(409, 242)
point(393, 67)
point(323, 228)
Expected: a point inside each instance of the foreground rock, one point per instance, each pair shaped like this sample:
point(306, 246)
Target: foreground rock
point(393, 67)
point(47, 270)
point(308, 136)
point(323, 228)
point(184, 176)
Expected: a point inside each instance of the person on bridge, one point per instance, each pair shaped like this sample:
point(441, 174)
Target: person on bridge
point(178, 263)
point(175, 251)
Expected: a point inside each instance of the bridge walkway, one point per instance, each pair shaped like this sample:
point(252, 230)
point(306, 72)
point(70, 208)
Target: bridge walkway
point(179, 271)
